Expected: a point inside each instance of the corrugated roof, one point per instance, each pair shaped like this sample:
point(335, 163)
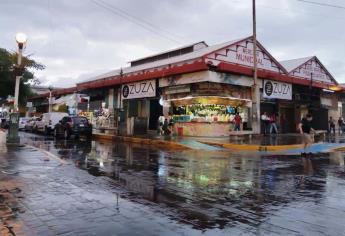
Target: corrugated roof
point(171, 50)
point(173, 60)
point(290, 65)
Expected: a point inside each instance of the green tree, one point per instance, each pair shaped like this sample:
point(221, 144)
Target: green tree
point(8, 70)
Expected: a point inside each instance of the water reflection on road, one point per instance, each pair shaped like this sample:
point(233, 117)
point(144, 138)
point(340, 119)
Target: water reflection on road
point(218, 189)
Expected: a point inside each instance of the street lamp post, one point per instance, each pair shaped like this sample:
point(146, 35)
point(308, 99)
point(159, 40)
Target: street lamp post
point(14, 117)
point(21, 41)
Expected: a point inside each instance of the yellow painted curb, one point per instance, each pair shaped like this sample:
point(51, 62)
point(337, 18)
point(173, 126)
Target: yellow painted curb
point(145, 141)
point(244, 147)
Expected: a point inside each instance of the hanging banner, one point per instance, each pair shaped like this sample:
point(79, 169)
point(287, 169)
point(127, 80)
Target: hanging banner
point(274, 89)
point(143, 89)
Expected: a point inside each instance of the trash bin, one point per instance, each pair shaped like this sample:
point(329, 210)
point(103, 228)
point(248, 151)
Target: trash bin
point(180, 131)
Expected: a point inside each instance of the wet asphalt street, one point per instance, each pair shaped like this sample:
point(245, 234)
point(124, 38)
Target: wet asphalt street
point(96, 188)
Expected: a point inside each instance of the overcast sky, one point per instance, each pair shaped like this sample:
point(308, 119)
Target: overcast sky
point(76, 39)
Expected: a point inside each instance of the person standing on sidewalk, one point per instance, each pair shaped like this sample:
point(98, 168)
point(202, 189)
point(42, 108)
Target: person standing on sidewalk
point(273, 124)
point(237, 120)
point(331, 123)
point(340, 124)
point(307, 132)
point(265, 121)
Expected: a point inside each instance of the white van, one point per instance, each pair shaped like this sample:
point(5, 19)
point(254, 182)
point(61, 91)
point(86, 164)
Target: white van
point(48, 121)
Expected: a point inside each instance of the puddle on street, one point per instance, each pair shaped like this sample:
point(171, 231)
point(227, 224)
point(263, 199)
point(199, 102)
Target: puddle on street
point(210, 189)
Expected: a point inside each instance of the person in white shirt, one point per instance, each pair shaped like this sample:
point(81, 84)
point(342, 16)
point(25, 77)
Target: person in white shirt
point(265, 121)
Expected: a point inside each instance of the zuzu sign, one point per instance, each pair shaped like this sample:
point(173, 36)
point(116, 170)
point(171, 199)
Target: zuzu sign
point(141, 89)
point(274, 89)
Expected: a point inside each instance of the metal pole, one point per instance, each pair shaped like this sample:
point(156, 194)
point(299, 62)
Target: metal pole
point(121, 74)
point(50, 101)
point(310, 92)
point(119, 110)
point(75, 103)
point(256, 88)
point(16, 91)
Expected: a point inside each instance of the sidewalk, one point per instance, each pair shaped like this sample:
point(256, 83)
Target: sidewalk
point(278, 142)
point(42, 196)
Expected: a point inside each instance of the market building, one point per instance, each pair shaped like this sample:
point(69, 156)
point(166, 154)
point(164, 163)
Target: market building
point(201, 88)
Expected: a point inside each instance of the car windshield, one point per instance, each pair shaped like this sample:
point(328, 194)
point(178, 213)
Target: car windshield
point(80, 120)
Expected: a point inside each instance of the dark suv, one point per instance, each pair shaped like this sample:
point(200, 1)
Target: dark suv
point(73, 125)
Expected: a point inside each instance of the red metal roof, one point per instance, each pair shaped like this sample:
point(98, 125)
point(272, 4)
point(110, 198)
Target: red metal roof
point(56, 92)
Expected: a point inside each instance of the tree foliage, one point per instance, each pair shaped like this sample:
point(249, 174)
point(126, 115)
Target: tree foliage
point(8, 70)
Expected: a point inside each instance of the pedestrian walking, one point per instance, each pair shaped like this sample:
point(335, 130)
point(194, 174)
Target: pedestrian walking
point(331, 124)
point(166, 128)
point(307, 133)
point(237, 120)
point(273, 124)
point(340, 124)
point(160, 125)
point(265, 122)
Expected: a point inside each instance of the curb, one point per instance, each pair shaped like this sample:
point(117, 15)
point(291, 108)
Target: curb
point(261, 148)
point(145, 141)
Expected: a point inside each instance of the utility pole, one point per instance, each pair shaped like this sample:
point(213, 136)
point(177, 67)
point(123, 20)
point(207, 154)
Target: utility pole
point(255, 89)
point(120, 107)
point(50, 100)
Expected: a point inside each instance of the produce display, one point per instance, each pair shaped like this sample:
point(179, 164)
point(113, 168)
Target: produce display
point(204, 113)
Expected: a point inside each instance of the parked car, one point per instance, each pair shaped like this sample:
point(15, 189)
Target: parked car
point(48, 121)
point(22, 122)
point(73, 125)
point(30, 124)
point(4, 123)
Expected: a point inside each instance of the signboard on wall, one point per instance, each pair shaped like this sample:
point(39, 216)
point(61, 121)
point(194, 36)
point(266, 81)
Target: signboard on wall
point(142, 89)
point(312, 70)
point(178, 89)
point(206, 76)
point(274, 89)
point(241, 53)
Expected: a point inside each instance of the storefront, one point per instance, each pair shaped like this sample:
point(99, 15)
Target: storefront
point(277, 101)
point(206, 108)
point(315, 91)
point(141, 109)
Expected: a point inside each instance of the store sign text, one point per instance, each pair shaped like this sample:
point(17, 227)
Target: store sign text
point(246, 56)
point(273, 89)
point(139, 90)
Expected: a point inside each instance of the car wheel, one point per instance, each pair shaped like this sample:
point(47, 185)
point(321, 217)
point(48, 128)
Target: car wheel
point(66, 134)
point(46, 131)
point(56, 133)
point(89, 135)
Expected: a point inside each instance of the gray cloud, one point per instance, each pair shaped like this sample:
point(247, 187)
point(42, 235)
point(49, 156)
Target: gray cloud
point(75, 39)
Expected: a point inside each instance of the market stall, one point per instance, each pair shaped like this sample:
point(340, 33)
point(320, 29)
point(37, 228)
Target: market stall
point(207, 115)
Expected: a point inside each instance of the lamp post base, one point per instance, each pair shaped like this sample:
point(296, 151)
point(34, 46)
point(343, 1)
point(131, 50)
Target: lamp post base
point(12, 136)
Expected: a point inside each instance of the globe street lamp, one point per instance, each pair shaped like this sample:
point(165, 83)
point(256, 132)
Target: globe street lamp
point(14, 117)
point(21, 41)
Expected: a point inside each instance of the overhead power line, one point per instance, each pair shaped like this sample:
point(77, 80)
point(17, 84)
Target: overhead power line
point(135, 20)
point(141, 20)
point(322, 4)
